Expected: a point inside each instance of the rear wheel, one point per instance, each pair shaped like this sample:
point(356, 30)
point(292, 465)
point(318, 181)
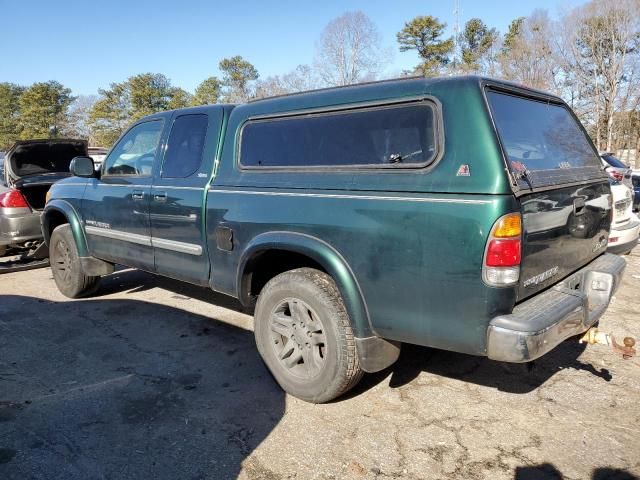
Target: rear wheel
point(304, 335)
point(66, 267)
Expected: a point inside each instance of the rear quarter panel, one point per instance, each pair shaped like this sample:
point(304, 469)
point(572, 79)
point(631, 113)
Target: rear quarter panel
point(417, 260)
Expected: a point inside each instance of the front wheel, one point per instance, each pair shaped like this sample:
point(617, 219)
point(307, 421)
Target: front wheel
point(66, 267)
point(304, 335)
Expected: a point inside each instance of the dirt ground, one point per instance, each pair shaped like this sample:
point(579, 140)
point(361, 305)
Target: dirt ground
point(153, 378)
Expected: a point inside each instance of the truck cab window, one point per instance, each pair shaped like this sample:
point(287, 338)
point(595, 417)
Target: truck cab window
point(135, 153)
point(184, 149)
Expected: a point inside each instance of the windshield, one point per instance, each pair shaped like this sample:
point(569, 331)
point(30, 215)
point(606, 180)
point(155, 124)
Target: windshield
point(543, 142)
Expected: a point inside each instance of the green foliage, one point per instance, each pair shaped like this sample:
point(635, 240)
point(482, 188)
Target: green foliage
point(9, 114)
point(179, 98)
point(207, 93)
point(424, 34)
point(476, 41)
point(111, 114)
point(43, 106)
point(237, 75)
point(128, 101)
point(149, 93)
point(515, 27)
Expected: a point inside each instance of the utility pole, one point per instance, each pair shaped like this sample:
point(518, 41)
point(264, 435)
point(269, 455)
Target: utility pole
point(456, 33)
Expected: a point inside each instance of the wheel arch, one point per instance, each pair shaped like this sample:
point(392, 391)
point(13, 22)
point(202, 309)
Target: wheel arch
point(320, 254)
point(59, 212)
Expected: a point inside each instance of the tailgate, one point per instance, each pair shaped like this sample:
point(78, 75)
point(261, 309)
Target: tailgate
point(563, 230)
point(564, 194)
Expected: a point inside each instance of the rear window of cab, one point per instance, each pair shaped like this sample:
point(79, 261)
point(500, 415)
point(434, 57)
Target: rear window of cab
point(381, 137)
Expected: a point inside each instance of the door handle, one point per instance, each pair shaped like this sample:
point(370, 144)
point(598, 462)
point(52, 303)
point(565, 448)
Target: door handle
point(137, 195)
point(160, 196)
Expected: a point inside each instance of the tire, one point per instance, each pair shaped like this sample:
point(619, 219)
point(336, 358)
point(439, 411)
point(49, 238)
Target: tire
point(66, 267)
point(303, 333)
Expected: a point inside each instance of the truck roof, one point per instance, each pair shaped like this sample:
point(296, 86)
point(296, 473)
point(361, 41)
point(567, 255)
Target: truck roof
point(378, 90)
point(398, 87)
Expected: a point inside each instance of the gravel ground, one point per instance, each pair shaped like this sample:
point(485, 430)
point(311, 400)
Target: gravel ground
point(153, 378)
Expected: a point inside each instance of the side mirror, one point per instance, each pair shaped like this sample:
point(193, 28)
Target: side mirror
point(82, 167)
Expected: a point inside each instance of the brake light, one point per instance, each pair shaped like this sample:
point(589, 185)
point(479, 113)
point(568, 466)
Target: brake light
point(502, 257)
point(618, 177)
point(12, 199)
point(503, 253)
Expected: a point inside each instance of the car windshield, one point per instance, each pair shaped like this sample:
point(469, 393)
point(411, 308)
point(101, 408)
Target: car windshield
point(542, 141)
point(613, 161)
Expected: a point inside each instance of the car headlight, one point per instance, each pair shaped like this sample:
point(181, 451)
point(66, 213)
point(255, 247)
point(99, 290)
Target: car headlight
point(47, 196)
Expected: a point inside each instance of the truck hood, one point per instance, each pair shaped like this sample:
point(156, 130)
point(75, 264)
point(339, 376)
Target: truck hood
point(41, 157)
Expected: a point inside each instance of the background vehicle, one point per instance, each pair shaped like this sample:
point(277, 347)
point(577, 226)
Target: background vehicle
point(30, 168)
point(625, 226)
point(616, 169)
point(435, 212)
point(98, 154)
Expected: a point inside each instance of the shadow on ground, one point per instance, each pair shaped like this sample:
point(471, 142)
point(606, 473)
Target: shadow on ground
point(512, 378)
point(112, 388)
point(547, 471)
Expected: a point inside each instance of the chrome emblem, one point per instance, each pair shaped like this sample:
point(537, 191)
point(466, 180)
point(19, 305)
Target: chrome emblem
point(541, 277)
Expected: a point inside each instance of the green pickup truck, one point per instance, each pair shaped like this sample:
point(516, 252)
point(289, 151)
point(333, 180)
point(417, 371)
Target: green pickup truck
point(463, 213)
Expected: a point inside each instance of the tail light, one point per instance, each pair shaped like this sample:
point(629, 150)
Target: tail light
point(502, 255)
point(12, 199)
point(617, 176)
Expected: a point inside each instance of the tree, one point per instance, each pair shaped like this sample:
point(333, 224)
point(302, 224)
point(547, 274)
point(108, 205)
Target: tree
point(512, 34)
point(149, 93)
point(9, 113)
point(43, 107)
point(111, 114)
point(237, 75)
point(77, 121)
point(208, 92)
point(179, 98)
point(528, 55)
point(424, 34)
point(476, 41)
point(600, 53)
point(349, 50)
point(298, 80)
point(125, 102)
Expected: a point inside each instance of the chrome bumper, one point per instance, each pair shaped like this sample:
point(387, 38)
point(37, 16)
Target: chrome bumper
point(568, 308)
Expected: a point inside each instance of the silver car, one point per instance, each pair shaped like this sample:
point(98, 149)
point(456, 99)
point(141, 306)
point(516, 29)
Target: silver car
point(30, 168)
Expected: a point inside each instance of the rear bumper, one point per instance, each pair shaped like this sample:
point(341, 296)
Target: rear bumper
point(626, 238)
point(569, 308)
point(19, 227)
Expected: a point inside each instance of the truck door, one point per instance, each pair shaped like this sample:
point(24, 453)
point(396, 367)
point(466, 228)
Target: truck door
point(178, 194)
point(115, 207)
